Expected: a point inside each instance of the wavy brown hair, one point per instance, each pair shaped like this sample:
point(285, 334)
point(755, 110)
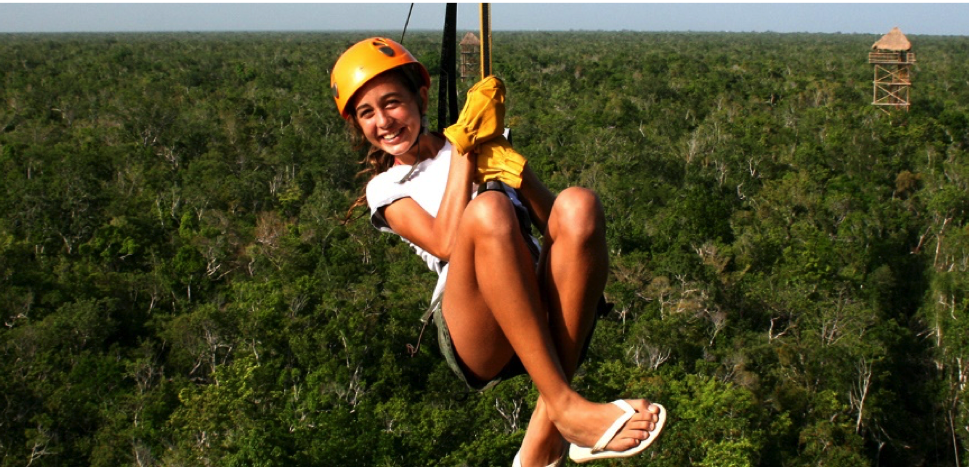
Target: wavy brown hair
point(376, 160)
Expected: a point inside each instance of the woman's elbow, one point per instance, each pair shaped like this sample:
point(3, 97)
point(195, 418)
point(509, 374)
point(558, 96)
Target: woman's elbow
point(444, 255)
point(442, 250)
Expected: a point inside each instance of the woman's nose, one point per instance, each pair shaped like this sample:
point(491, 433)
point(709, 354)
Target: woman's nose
point(383, 120)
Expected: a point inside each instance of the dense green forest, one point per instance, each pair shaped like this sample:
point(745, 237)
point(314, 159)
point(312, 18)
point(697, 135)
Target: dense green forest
point(789, 263)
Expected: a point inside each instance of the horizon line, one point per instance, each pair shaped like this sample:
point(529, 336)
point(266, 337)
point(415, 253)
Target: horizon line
point(429, 30)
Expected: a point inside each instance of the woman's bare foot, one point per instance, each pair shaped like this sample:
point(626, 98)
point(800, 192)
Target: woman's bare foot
point(550, 454)
point(542, 444)
point(583, 423)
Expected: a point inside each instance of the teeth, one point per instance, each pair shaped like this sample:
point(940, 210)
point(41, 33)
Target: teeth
point(391, 137)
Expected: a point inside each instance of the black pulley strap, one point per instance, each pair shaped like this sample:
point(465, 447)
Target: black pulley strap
point(447, 83)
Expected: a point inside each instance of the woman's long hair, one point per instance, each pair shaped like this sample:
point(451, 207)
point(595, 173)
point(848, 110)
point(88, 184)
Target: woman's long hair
point(375, 159)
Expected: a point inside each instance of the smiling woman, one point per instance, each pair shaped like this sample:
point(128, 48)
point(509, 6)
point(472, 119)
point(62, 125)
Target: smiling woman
point(502, 307)
point(403, 83)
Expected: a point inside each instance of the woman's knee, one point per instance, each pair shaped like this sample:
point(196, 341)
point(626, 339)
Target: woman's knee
point(491, 213)
point(578, 213)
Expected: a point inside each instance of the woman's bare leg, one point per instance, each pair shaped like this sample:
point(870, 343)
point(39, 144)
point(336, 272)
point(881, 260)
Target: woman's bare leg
point(575, 264)
point(492, 303)
point(494, 309)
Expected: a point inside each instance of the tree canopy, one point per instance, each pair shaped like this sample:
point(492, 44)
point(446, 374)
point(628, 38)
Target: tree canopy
point(789, 264)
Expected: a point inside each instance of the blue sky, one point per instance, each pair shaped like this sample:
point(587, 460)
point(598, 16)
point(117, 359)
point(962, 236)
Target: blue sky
point(864, 18)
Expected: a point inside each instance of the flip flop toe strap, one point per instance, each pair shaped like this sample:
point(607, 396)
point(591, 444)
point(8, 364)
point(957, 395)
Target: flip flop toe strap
point(610, 433)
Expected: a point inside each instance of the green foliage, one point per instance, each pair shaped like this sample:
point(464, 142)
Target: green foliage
point(714, 423)
point(789, 264)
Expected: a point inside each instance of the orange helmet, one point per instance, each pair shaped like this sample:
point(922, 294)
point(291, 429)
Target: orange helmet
point(362, 62)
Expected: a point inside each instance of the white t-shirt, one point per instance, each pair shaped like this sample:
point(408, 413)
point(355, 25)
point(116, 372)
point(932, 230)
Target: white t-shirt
point(426, 186)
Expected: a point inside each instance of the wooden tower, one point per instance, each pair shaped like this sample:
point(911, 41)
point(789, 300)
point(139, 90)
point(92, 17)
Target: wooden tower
point(892, 60)
point(470, 49)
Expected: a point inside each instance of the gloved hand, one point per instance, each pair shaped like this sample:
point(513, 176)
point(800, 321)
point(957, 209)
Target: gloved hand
point(497, 160)
point(482, 118)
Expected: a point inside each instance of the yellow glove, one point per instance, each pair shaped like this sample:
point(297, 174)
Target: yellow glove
point(497, 160)
point(482, 118)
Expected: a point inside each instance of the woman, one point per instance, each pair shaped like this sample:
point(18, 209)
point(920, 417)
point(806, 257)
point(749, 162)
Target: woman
point(502, 311)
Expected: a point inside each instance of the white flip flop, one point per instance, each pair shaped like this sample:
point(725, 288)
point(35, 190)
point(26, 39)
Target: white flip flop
point(598, 451)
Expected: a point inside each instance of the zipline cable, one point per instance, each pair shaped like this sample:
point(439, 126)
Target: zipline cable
point(406, 23)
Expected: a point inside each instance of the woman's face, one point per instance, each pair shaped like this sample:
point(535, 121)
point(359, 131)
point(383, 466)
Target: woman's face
point(389, 115)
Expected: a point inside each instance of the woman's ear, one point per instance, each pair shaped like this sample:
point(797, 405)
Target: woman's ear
point(423, 92)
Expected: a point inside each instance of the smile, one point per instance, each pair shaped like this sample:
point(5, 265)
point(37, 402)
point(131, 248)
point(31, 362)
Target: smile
point(394, 135)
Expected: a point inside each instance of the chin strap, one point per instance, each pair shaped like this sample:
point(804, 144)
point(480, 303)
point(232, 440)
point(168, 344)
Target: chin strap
point(424, 130)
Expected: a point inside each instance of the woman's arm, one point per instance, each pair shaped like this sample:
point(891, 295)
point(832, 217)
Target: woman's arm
point(436, 235)
point(538, 198)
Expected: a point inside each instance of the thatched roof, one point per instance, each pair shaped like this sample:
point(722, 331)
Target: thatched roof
point(470, 39)
point(894, 41)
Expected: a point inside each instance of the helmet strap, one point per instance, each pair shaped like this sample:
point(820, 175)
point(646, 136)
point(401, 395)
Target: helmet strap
point(424, 131)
